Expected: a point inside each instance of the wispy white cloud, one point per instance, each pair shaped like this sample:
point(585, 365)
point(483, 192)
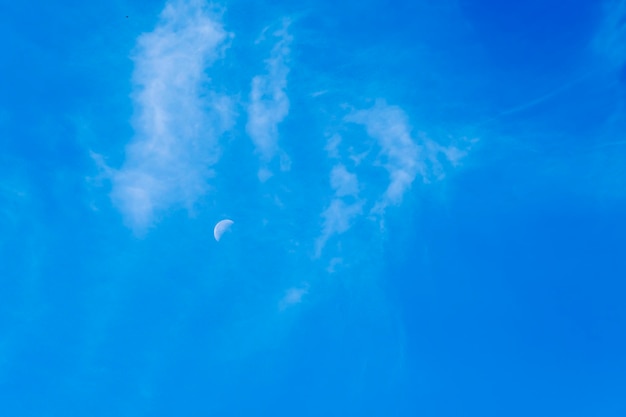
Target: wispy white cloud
point(344, 206)
point(343, 182)
point(293, 296)
point(403, 156)
point(332, 146)
point(337, 218)
point(269, 103)
point(389, 126)
point(178, 119)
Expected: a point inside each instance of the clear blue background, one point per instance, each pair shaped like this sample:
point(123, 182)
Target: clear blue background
point(495, 290)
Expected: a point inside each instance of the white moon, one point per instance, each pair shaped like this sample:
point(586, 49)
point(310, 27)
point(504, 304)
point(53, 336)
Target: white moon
point(221, 227)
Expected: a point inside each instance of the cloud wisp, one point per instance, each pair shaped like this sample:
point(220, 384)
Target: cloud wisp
point(403, 155)
point(178, 119)
point(344, 207)
point(293, 296)
point(389, 126)
point(269, 103)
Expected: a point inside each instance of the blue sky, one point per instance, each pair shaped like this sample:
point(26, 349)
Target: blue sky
point(428, 205)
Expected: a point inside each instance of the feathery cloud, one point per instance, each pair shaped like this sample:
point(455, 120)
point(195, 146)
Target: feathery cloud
point(269, 103)
point(343, 182)
point(344, 206)
point(389, 126)
point(403, 156)
point(178, 119)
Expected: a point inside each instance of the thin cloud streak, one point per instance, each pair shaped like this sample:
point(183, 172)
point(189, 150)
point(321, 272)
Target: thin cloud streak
point(178, 119)
point(269, 103)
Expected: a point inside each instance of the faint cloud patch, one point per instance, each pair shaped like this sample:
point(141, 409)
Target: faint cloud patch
point(269, 104)
point(293, 296)
point(13, 197)
point(344, 207)
point(343, 182)
point(333, 264)
point(611, 38)
point(178, 119)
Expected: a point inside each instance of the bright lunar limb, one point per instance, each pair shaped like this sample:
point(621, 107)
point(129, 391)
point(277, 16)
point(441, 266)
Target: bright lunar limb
point(221, 227)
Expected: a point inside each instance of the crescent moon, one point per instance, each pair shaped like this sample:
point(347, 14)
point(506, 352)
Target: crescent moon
point(221, 227)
